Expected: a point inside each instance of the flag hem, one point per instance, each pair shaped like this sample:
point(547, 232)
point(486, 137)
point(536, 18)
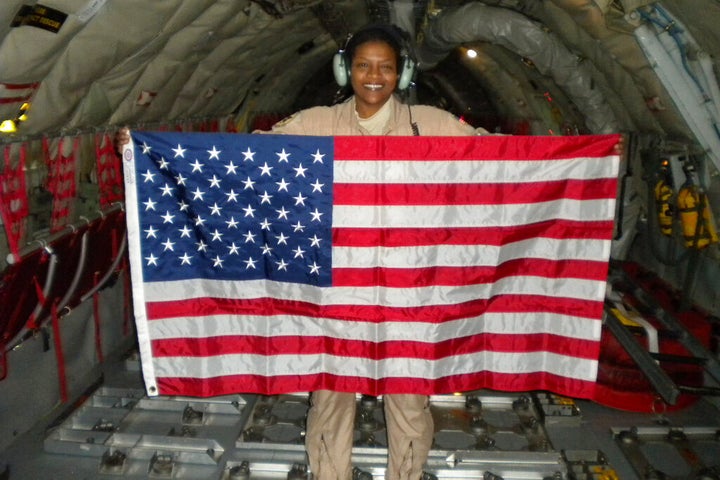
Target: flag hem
point(136, 275)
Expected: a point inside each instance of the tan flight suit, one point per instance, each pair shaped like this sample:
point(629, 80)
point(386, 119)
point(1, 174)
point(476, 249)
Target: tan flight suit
point(331, 418)
point(341, 120)
point(330, 427)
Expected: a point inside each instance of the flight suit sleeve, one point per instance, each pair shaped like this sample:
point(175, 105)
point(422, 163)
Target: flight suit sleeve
point(435, 121)
point(292, 125)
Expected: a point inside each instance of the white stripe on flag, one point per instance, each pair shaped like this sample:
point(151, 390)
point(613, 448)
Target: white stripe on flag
point(510, 323)
point(467, 255)
point(390, 297)
point(506, 171)
point(452, 216)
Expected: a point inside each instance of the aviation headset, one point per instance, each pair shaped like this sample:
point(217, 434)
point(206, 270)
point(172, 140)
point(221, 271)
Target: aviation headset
point(342, 61)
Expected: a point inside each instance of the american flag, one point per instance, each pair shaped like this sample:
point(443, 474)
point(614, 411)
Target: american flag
point(276, 263)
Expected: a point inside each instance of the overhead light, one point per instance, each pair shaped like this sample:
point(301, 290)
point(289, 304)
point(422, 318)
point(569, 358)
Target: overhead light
point(22, 116)
point(471, 53)
point(8, 126)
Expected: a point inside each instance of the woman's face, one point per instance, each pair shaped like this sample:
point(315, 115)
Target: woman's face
point(373, 76)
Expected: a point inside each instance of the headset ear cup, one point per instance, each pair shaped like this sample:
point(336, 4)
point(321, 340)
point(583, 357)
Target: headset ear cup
point(407, 71)
point(340, 70)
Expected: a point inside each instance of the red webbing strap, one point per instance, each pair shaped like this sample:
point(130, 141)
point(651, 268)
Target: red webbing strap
point(32, 321)
point(61, 182)
point(39, 291)
point(96, 319)
point(109, 171)
point(209, 126)
point(62, 378)
point(231, 126)
point(14, 207)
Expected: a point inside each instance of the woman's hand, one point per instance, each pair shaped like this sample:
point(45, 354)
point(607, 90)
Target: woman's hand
point(620, 145)
point(122, 138)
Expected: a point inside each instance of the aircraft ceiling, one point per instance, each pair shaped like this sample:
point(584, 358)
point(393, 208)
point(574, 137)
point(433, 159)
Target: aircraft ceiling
point(542, 67)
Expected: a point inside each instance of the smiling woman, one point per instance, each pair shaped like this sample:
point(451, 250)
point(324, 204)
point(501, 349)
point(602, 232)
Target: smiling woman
point(373, 77)
point(376, 64)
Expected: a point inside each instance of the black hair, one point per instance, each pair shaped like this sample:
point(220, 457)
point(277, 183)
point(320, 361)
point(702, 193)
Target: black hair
point(389, 34)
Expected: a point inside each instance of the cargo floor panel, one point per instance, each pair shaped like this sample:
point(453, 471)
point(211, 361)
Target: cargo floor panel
point(119, 432)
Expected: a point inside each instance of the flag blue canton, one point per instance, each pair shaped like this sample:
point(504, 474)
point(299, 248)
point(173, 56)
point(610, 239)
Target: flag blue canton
point(234, 207)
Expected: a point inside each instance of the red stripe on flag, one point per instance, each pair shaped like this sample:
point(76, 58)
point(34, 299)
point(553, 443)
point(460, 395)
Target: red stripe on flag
point(225, 385)
point(396, 237)
point(471, 194)
point(519, 148)
point(307, 345)
point(200, 307)
point(422, 277)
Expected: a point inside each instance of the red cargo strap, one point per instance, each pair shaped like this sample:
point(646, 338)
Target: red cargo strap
point(32, 321)
point(109, 171)
point(61, 181)
point(62, 378)
point(14, 207)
